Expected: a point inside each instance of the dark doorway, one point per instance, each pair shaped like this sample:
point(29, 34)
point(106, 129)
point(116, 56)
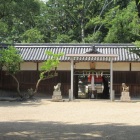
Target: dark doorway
point(83, 87)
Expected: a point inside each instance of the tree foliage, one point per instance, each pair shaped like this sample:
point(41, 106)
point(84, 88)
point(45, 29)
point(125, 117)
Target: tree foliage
point(67, 21)
point(10, 60)
point(17, 16)
point(122, 24)
point(49, 67)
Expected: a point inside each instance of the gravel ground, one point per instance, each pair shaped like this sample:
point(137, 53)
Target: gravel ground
point(77, 120)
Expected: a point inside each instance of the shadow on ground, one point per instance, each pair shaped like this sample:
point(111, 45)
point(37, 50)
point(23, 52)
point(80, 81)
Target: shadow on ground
point(37, 101)
point(58, 131)
point(12, 102)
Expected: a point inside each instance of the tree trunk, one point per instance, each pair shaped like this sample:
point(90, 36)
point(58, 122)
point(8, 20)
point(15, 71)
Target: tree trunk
point(37, 85)
point(18, 90)
point(82, 22)
point(82, 31)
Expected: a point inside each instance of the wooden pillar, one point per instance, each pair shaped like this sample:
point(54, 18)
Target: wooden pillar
point(111, 80)
point(72, 73)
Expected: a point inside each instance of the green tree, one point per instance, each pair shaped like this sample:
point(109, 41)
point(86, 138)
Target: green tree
point(76, 19)
point(138, 7)
point(32, 36)
point(67, 21)
point(17, 16)
point(10, 60)
point(49, 68)
point(122, 24)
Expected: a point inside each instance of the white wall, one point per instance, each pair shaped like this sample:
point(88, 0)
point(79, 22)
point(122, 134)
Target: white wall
point(28, 66)
point(117, 66)
point(82, 65)
point(64, 66)
point(61, 66)
point(121, 66)
point(135, 66)
point(39, 65)
point(102, 65)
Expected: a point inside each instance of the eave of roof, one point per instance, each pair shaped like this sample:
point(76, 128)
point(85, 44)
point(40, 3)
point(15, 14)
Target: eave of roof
point(35, 52)
point(92, 55)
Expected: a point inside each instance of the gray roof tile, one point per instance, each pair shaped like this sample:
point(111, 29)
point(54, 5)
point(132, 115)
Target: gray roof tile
point(36, 52)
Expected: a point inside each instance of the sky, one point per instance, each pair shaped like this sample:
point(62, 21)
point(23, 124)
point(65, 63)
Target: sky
point(44, 0)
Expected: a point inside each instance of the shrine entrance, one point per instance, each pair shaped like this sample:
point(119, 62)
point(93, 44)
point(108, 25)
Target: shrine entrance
point(108, 57)
point(91, 84)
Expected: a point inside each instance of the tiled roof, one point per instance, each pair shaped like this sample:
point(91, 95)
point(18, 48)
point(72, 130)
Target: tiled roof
point(36, 52)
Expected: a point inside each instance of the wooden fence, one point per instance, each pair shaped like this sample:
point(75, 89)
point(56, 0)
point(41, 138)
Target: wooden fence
point(28, 80)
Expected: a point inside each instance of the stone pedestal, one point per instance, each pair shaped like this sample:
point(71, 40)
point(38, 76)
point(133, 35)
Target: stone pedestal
point(57, 96)
point(125, 96)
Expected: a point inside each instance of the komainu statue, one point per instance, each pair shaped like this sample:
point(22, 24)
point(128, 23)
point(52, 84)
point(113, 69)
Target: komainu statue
point(57, 87)
point(125, 93)
point(125, 88)
point(57, 93)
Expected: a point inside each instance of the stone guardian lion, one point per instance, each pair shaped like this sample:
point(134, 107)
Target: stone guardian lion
point(125, 88)
point(57, 87)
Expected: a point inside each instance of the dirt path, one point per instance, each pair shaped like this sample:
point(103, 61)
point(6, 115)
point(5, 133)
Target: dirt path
point(46, 120)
